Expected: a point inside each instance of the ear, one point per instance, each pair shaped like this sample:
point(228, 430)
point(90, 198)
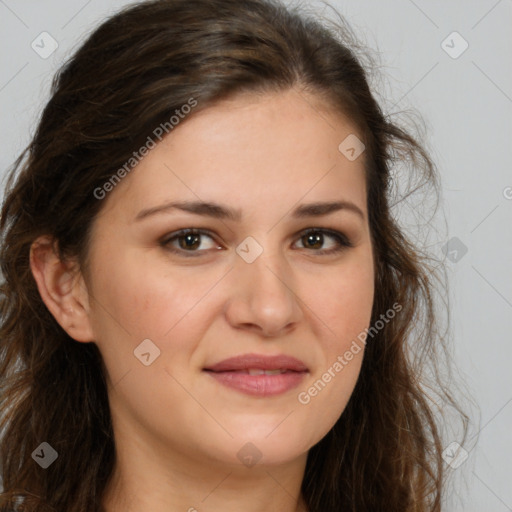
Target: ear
point(62, 288)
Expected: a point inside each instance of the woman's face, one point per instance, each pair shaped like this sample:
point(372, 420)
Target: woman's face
point(251, 283)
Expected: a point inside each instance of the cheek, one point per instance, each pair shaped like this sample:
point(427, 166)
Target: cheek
point(343, 301)
point(343, 305)
point(138, 299)
point(145, 297)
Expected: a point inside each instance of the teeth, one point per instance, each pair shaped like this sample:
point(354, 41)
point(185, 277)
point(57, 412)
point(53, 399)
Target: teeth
point(256, 371)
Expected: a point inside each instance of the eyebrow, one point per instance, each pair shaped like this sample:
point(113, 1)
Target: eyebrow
point(218, 211)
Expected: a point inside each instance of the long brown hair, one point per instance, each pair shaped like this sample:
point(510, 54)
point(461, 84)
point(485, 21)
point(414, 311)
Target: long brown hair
point(130, 76)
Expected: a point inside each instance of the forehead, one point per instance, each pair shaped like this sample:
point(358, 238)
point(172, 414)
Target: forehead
point(252, 151)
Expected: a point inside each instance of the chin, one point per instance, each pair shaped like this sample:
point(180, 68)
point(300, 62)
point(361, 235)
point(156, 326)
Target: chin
point(271, 446)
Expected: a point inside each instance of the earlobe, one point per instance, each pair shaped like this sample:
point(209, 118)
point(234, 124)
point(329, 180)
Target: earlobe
point(62, 288)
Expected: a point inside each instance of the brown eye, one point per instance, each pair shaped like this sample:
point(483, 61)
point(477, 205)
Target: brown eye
point(189, 241)
point(314, 239)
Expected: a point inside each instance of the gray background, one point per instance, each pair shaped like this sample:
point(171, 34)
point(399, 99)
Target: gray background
point(467, 104)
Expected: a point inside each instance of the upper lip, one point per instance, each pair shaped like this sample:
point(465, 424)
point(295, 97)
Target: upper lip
point(259, 361)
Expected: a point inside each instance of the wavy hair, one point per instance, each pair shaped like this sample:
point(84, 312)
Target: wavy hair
point(129, 76)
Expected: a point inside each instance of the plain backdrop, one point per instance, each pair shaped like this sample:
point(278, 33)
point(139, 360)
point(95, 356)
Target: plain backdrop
point(451, 62)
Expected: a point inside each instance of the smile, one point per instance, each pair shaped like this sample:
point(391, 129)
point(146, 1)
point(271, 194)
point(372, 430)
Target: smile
point(259, 375)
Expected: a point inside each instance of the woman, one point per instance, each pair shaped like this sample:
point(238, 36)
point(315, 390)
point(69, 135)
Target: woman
point(207, 302)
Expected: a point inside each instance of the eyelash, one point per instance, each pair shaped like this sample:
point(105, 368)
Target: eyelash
point(343, 241)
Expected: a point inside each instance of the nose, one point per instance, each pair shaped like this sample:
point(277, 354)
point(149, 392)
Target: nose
point(262, 297)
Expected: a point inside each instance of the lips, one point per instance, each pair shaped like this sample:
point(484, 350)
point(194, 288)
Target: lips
point(259, 375)
point(248, 362)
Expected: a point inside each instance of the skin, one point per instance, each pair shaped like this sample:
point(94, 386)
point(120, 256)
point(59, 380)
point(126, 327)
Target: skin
point(177, 430)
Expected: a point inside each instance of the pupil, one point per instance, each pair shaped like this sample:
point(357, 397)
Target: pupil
point(193, 239)
point(315, 239)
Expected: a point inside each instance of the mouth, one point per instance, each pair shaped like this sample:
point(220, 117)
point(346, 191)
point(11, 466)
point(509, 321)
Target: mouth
point(257, 371)
point(259, 375)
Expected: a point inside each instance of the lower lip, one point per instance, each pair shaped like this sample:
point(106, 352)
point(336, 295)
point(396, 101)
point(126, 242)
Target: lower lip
point(259, 385)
